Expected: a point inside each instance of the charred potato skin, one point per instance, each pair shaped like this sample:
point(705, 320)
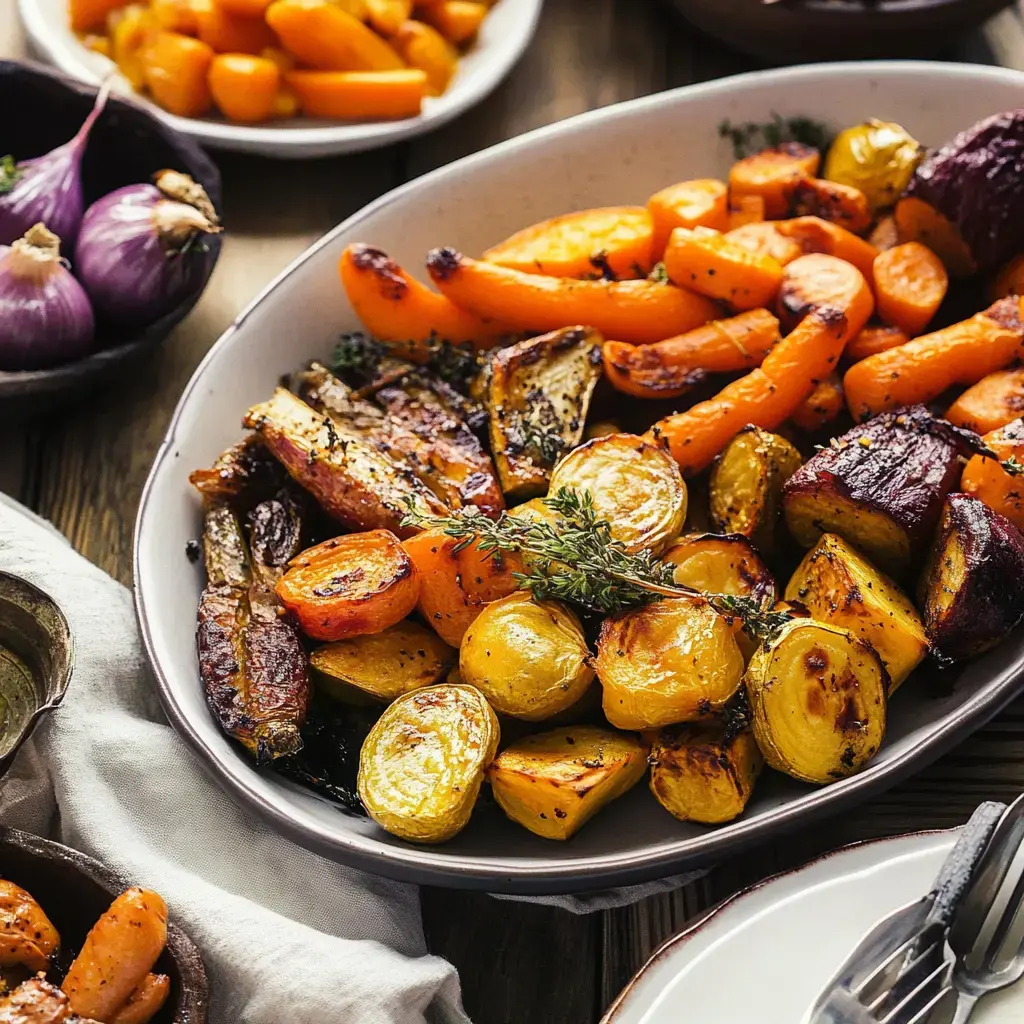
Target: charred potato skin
point(554, 782)
point(838, 585)
point(423, 762)
point(972, 590)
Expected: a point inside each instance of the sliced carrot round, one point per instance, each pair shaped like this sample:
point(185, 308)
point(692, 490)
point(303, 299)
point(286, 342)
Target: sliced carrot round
point(918, 221)
point(910, 284)
point(873, 339)
point(765, 238)
point(703, 202)
point(819, 282)
point(771, 174)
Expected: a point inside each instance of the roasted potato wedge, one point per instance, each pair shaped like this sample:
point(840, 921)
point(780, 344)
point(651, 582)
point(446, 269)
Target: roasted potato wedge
point(538, 395)
point(746, 485)
point(554, 782)
point(701, 773)
point(838, 585)
point(672, 661)
point(27, 936)
point(635, 486)
point(383, 666)
point(528, 658)
point(818, 701)
point(423, 762)
point(972, 590)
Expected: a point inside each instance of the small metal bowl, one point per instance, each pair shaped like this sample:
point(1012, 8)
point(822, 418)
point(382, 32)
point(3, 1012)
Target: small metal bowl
point(36, 661)
point(75, 890)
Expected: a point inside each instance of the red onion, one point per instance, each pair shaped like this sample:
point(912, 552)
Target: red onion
point(47, 189)
point(140, 249)
point(45, 316)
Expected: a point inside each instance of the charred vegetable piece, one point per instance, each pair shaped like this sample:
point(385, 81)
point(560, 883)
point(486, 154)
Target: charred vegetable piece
point(918, 221)
point(818, 701)
point(528, 658)
point(993, 402)
point(673, 661)
point(703, 773)
point(746, 485)
point(880, 486)
point(538, 395)
point(353, 481)
point(422, 764)
point(838, 585)
point(555, 782)
point(634, 485)
point(973, 588)
point(145, 1000)
point(826, 402)
point(35, 1001)
point(877, 157)
point(771, 174)
point(27, 937)
point(839, 204)
point(246, 472)
point(385, 665)
point(988, 480)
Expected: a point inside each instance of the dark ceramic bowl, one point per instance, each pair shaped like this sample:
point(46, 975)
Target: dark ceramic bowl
point(75, 890)
point(127, 145)
point(811, 30)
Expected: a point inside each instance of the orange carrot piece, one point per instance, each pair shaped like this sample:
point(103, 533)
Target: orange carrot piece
point(668, 369)
point(923, 368)
point(910, 285)
point(145, 1000)
point(457, 20)
point(986, 480)
point(885, 234)
point(620, 237)
point(640, 312)
point(993, 402)
point(873, 339)
point(817, 281)
point(324, 36)
point(397, 309)
point(88, 15)
point(822, 405)
point(176, 69)
point(422, 46)
point(838, 204)
point(245, 8)
point(359, 95)
point(918, 221)
point(703, 202)
point(707, 262)
point(1009, 280)
point(176, 15)
point(388, 16)
point(745, 210)
point(813, 234)
point(766, 239)
point(771, 175)
point(244, 87)
point(225, 32)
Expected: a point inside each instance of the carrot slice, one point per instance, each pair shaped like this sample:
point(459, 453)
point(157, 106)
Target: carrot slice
point(422, 46)
point(387, 16)
point(923, 368)
point(324, 36)
point(1009, 280)
point(706, 261)
point(670, 368)
point(359, 95)
point(918, 221)
point(766, 239)
point(822, 405)
point(578, 244)
point(986, 479)
point(703, 202)
point(397, 309)
point(993, 402)
point(817, 281)
point(244, 87)
point(771, 174)
point(176, 68)
point(910, 284)
point(813, 234)
point(245, 8)
point(636, 311)
point(874, 338)
point(457, 20)
point(230, 33)
point(838, 204)
point(745, 210)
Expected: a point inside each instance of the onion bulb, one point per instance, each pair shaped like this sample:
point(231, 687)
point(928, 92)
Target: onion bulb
point(140, 249)
point(45, 316)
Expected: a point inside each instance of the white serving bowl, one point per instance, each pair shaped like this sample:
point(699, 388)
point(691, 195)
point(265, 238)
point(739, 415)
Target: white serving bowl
point(504, 36)
point(620, 154)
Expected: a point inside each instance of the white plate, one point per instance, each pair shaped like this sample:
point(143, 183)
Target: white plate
point(505, 34)
point(766, 954)
point(617, 155)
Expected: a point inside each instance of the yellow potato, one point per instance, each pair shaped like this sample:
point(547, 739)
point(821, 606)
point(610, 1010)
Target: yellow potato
point(27, 937)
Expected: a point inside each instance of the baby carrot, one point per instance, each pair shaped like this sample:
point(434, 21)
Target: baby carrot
point(839, 204)
point(703, 202)
point(986, 479)
point(176, 69)
point(765, 238)
point(813, 234)
point(993, 402)
point(745, 210)
point(822, 405)
point(771, 174)
point(817, 281)
point(457, 20)
point(918, 221)
point(874, 338)
point(387, 16)
point(359, 95)
point(324, 36)
point(244, 87)
point(225, 32)
point(910, 284)
point(422, 46)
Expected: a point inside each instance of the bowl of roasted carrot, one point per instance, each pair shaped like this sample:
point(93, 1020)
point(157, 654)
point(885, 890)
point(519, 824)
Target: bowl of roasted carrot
point(291, 78)
point(616, 497)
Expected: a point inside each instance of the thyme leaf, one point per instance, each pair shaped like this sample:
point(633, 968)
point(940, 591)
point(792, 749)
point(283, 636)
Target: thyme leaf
point(9, 174)
point(752, 136)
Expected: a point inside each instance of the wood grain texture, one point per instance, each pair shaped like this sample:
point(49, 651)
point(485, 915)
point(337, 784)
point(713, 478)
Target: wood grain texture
point(85, 471)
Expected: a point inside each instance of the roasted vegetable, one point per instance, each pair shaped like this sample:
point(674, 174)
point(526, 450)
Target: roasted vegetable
point(672, 661)
point(554, 782)
point(350, 586)
point(815, 235)
point(746, 485)
point(771, 174)
point(918, 221)
point(704, 773)
point(385, 665)
point(688, 204)
point(910, 285)
point(988, 480)
point(826, 402)
point(993, 402)
point(538, 395)
point(837, 585)
point(27, 937)
point(36, 1001)
point(972, 591)
point(873, 339)
point(878, 157)
point(765, 238)
point(353, 481)
point(721, 564)
point(528, 658)
point(144, 1001)
point(245, 473)
point(819, 282)
point(422, 764)
point(839, 204)
point(634, 486)
point(818, 701)
point(1009, 280)
point(880, 486)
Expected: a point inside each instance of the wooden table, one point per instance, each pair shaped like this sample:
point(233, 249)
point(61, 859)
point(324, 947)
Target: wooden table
point(85, 470)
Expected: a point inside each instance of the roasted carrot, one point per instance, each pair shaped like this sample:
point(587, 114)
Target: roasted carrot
point(813, 234)
point(640, 312)
point(397, 309)
point(176, 69)
point(1009, 280)
point(706, 261)
point(993, 402)
point(359, 95)
point(817, 281)
point(145, 1000)
point(581, 244)
point(387, 16)
point(843, 205)
point(910, 284)
point(27, 936)
point(766, 239)
point(923, 368)
point(176, 15)
point(668, 369)
point(745, 210)
point(457, 20)
point(918, 221)
point(822, 405)
point(986, 479)
point(117, 954)
point(91, 14)
point(225, 32)
point(244, 87)
point(873, 339)
point(885, 234)
point(422, 46)
point(771, 175)
point(703, 202)
point(245, 8)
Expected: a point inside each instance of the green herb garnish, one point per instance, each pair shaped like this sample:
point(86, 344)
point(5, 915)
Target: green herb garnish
point(659, 274)
point(752, 137)
point(9, 174)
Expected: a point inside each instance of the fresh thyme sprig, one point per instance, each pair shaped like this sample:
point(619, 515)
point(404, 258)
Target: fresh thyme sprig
point(9, 174)
point(752, 136)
